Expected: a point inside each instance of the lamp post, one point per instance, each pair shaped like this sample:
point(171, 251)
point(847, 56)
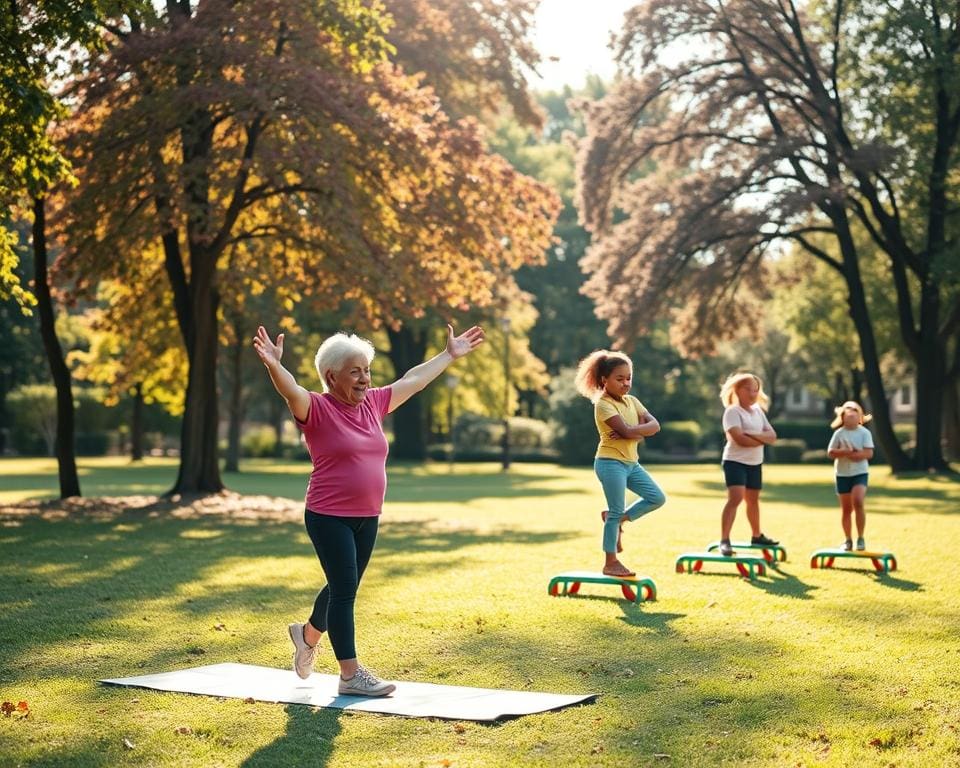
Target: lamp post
point(451, 381)
point(505, 325)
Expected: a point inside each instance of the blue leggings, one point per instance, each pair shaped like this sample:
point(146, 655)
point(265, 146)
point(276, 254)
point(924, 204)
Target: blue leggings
point(616, 477)
point(344, 546)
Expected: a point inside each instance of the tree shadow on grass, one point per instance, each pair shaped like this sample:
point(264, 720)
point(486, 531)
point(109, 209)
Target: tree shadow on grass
point(883, 579)
point(99, 572)
point(642, 616)
point(309, 739)
point(785, 584)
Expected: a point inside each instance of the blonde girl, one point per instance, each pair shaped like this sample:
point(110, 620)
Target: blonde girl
point(747, 429)
point(604, 378)
point(851, 448)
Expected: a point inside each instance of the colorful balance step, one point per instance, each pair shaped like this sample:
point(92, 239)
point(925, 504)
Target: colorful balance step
point(635, 588)
point(883, 562)
point(750, 566)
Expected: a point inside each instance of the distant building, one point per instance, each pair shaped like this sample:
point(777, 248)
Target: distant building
point(801, 403)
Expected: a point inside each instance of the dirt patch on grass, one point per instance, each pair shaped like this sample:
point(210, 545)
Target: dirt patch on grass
point(228, 504)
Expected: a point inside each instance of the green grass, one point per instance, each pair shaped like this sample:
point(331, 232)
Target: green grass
point(808, 667)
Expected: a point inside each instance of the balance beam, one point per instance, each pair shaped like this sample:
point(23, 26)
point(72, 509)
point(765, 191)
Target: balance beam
point(772, 553)
point(635, 588)
point(883, 562)
point(749, 565)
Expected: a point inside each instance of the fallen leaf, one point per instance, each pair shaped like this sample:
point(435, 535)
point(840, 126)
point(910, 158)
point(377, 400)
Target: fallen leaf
point(221, 627)
point(184, 730)
point(661, 756)
point(128, 744)
point(7, 708)
point(459, 728)
point(597, 749)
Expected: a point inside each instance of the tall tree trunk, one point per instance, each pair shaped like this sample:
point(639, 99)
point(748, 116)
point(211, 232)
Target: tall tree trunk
point(136, 425)
point(408, 347)
point(930, 374)
point(951, 418)
point(66, 457)
point(860, 314)
point(199, 461)
point(235, 416)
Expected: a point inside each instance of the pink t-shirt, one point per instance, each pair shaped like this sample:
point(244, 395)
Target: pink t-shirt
point(349, 453)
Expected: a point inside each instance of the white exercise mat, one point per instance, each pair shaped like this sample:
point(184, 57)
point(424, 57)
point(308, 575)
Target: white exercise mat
point(242, 681)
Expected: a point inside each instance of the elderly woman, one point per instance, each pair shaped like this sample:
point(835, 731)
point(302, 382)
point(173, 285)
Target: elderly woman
point(343, 430)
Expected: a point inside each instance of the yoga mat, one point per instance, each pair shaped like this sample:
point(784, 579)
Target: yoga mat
point(450, 702)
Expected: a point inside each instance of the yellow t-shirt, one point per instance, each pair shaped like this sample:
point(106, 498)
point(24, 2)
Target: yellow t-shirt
point(620, 448)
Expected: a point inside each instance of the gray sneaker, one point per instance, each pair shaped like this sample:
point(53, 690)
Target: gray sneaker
point(365, 683)
point(847, 545)
point(861, 544)
point(303, 654)
point(725, 549)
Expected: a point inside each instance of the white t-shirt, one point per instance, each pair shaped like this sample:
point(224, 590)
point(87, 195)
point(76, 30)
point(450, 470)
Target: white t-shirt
point(857, 439)
point(751, 419)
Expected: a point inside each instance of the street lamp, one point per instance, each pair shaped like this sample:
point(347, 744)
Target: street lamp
point(451, 381)
point(505, 325)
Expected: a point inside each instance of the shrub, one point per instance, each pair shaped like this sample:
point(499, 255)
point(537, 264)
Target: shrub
point(786, 451)
point(34, 409)
point(92, 443)
point(679, 437)
point(574, 430)
point(816, 434)
point(258, 442)
point(474, 431)
point(815, 457)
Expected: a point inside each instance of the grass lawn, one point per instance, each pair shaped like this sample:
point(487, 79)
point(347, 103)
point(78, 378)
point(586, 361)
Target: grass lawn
point(806, 667)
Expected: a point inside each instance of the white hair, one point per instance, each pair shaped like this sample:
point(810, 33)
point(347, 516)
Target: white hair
point(335, 350)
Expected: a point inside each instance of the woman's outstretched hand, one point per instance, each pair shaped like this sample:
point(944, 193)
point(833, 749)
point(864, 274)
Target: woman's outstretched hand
point(465, 343)
point(269, 352)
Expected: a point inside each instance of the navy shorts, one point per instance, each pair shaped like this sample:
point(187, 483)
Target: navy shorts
point(750, 475)
point(845, 484)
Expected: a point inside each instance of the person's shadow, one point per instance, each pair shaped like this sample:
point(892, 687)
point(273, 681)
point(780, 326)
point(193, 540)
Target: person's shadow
point(309, 739)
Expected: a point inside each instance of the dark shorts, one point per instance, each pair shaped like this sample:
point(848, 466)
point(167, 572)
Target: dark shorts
point(845, 484)
point(750, 475)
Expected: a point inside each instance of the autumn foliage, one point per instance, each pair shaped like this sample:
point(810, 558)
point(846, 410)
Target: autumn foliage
point(213, 130)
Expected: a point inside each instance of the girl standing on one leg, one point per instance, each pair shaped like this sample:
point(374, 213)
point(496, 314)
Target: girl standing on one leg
point(747, 430)
point(851, 447)
point(622, 421)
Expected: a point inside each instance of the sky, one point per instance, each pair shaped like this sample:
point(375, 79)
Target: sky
point(577, 33)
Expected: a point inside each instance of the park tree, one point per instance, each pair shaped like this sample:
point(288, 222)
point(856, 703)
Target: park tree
point(134, 351)
point(38, 41)
point(473, 56)
point(22, 358)
point(218, 123)
point(567, 327)
point(740, 127)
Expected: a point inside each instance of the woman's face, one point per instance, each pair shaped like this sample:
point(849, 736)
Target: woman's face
point(747, 392)
point(617, 384)
point(349, 384)
point(851, 418)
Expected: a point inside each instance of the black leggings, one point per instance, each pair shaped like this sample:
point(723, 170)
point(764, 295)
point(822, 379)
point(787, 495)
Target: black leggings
point(344, 546)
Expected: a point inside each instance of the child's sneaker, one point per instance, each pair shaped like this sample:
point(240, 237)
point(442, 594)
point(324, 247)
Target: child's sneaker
point(861, 544)
point(725, 549)
point(303, 654)
point(763, 540)
point(847, 545)
point(365, 683)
